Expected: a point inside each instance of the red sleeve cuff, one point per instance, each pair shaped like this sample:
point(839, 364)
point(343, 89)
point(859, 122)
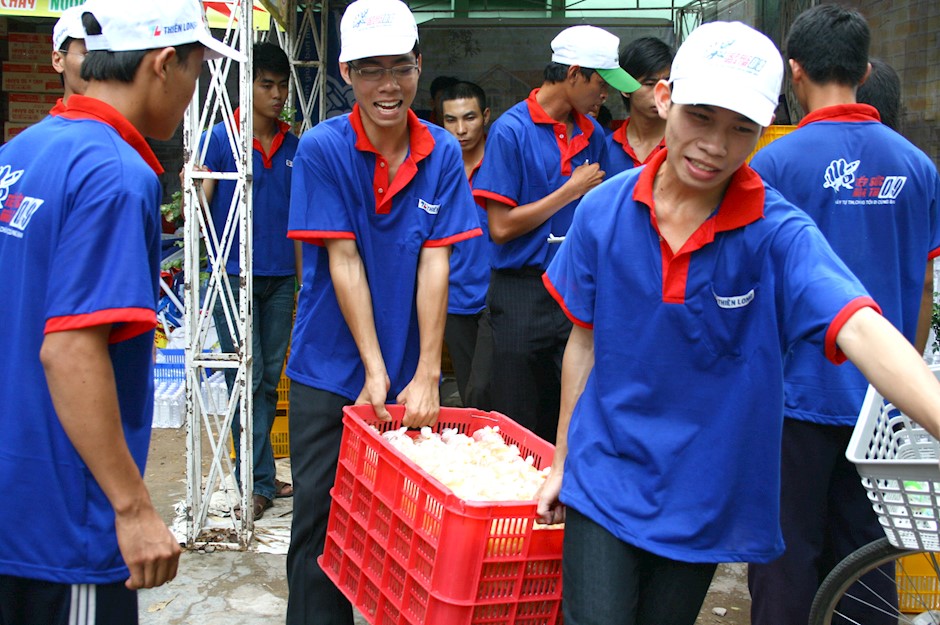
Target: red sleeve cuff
point(833, 353)
point(126, 322)
point(316, 236)
point(463, 236)
point(561, 302)
point(481, 196)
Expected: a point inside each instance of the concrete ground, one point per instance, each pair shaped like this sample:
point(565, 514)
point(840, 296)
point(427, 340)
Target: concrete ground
point(217, 587)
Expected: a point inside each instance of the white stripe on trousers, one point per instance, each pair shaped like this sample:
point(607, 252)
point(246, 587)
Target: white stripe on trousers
point(83, 609)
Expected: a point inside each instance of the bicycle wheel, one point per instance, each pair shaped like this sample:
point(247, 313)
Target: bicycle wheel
point(874, 585)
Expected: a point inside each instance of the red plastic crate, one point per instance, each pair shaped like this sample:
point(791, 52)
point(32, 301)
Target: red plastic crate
point(406, 551)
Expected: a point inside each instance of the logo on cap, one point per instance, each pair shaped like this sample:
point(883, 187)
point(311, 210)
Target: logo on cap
point(156, 32)
point(736, 60)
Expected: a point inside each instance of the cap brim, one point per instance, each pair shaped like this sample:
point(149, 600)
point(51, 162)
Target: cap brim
point(716, 92)
point(377, 46)
point(619, 79)
point(215, 49)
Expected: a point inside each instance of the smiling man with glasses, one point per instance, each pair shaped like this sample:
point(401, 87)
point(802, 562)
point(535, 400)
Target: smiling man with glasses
point(377, 199)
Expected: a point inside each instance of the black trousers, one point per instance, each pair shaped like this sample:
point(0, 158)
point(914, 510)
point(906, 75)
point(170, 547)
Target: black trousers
point(470, 344)
point(530, 332)
point(316, 431)
point(26, 601)
point(825, 515)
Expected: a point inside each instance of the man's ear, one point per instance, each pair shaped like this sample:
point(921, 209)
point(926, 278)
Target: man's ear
point(158, 61)
point(865, 77)
point(796, 71)
point(344, 72)
point(486, 116)
point(573, 72)
point(58, 61)
point(662, 96)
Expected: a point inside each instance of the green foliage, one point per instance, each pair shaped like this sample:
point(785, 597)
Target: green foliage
point(935, 325)
point(173, 211)
point(287, 114)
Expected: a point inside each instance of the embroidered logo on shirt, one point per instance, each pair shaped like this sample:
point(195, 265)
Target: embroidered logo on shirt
point(840, 174)
point(735, 301)
point(15, 208)
point(430, 209)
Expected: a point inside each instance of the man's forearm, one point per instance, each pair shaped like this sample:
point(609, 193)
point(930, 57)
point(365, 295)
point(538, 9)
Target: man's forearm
point(355, 302)
point(432, 292)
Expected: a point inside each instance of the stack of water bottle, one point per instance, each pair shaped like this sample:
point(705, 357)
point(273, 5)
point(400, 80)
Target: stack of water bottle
point(169, 392)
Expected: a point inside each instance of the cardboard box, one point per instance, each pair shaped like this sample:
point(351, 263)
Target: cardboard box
point(29, 48)
point(31, 78)
point(11, 129)
point(28, 107)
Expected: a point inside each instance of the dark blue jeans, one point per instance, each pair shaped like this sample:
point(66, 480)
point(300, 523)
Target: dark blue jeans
point(609, 582)
point(273, 308)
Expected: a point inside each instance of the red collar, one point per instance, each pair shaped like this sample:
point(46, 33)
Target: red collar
point(620, 136)
point(58, 108)
point(83, 107)
point(842, 113)
point(742, 204)
point(568, 147)
point(282, 130)
point(473, 172)
point(420, 143)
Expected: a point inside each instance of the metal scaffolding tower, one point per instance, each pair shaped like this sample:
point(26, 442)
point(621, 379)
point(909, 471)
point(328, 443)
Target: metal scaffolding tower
point(206, 250)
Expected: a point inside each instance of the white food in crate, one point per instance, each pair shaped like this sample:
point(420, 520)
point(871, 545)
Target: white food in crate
point(481, 467)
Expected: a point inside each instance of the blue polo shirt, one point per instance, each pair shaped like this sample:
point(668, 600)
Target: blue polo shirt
point(674, 445)
point(341, 190)
point(80, 247)
point(622, 155)
point(528, 156)
point(470, 268)
point(875, 197)
point(273, 252)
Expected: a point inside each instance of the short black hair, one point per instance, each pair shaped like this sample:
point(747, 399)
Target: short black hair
point(441, 83)
point(66, 43)
point(882, 90)
point(464, 90)
point(557, 72)
point(267, 57)
point(644, 57)
point(830, 42)
point(121, 66)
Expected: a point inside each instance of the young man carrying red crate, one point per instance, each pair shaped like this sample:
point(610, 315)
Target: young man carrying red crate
point(377, 198)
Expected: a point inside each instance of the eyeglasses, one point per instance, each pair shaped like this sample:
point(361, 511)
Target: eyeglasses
point(372, 73)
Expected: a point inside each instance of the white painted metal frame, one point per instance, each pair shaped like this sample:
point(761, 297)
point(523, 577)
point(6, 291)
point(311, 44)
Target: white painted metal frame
point(200, 298)
point(207, 471)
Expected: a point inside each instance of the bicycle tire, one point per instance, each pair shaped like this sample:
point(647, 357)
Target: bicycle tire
point(843, 589)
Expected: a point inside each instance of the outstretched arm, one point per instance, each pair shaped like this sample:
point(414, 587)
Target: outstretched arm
point(355, 302)
point(81, 382)
point(893, 366)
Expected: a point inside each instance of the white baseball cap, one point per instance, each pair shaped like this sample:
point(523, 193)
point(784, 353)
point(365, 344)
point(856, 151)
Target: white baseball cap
point(376, 28)
point(69, 25)
point(593, 48)
point(731, 65)
point(152, 24)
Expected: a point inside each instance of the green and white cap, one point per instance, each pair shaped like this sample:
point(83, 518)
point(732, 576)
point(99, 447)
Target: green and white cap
point(593, 48)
